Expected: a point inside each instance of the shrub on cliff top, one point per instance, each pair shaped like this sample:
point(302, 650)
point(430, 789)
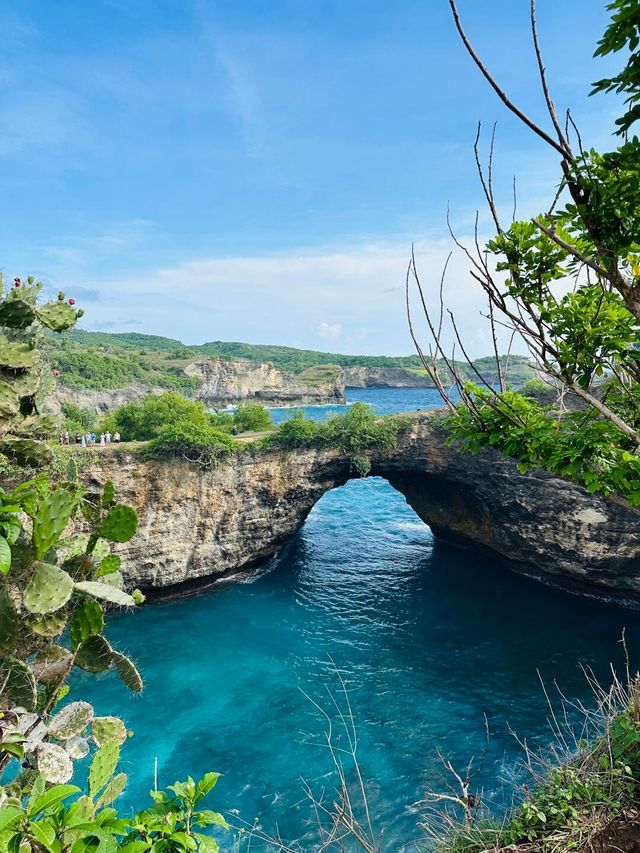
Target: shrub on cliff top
point(252, 417)
point(195, 442)
point(143, 420)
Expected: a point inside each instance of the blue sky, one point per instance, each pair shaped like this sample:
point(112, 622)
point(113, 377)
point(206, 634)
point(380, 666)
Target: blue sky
point(257, 169)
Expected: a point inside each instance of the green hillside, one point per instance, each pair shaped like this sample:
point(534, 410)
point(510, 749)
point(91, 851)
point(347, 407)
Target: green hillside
point(100, 360)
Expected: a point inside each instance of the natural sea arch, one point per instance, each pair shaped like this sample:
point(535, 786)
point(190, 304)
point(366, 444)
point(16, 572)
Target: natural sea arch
point(197, 526)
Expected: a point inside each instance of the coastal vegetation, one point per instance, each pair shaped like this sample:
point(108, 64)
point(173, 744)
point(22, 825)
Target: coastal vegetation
point(567, 283)
point(99, 361)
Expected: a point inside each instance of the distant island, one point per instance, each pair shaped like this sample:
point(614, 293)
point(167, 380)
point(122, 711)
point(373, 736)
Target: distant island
point(104, 370)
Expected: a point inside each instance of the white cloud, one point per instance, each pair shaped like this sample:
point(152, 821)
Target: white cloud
point(330, 331)
point(277, 298)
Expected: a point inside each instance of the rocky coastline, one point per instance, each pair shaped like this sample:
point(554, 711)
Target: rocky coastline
point(199, 526)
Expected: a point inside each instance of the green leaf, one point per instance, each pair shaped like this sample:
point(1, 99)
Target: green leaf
point(51, 798)
point(206, 784)
point(5, 556)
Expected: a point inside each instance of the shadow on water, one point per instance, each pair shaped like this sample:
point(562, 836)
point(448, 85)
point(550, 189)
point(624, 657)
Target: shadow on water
point(429, 638)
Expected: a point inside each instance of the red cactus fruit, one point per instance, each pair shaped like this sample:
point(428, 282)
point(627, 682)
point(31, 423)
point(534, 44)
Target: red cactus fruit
point(72, 301)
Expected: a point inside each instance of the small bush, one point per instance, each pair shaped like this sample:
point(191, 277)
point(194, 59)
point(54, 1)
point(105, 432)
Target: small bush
point(252, 417)
point(143, 420)
point(198, 443)
point(296, 432)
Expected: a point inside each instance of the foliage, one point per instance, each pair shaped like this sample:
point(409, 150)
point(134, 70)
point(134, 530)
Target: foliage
point(56, 819)
point(584, 339)
point(104, 360)
point(196, 442)
point(144, 419)
point(78, 419)
point(580, 446)
point(357, 433)
point(252, 417)
point(25, 377)
point(297, 431)
point(623, 32)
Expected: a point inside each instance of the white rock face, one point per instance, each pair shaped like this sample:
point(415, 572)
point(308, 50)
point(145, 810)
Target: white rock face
point(223, 382)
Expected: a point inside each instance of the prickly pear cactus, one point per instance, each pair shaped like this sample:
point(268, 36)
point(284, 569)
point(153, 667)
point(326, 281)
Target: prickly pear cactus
point(71, 721)
point(119, 524)
point(48, 590)
point(104, 729)
point(23, 370)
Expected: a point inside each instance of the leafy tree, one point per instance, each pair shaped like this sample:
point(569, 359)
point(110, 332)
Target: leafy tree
point(78, 418)
point(143, 420)
point(578, 336)
point(251, 417)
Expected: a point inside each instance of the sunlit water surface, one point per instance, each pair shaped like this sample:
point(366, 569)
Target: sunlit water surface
point(429, 638)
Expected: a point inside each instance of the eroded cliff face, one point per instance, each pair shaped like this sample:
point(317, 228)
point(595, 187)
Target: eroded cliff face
point(223, 382)
point(198, 526)
point(220, 383)
point(383, 377)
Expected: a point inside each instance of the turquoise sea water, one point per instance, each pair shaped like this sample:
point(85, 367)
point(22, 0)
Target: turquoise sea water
point(427, 636)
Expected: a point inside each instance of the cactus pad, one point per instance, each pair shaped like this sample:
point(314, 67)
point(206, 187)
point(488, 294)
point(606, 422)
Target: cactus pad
point(77, 747)
point(48, 590)
point(51, 518)
point(51, 625)
point(24, 384)
point(54, 763)
point(18, 683)
point(103, 766)
point(108, 565)
point(128, 672)
point(94, 654)
point(16, 314)
point(113, 790)
point(16, 355)
point(9, 401)
point(87, 621)
point(104, 729)
point(71, 721)
point(26, 451)
point(105, 592)
point(119, 524)
point(9, 624)
point(57, 316)
point(51, 664)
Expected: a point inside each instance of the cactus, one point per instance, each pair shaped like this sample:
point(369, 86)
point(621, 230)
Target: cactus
point(119, 524)
point(48, 590)
point(17, 682)
point(54, 763)
point(94, 654)
point(104, 729)
point(9, 623)
point(16, 355)
point(57, 316)
point(109, 565)
point(16, 314)
point(102, 767)
point(26, 451)
point(105, 592)
point(51, 518)
point(71, 721)
point(51, 664)
point(9, 401)
point(51, 625)
point(77, 747)
point(86, 621)
point(115, 580)
point(128, 672)
point(112, 791)
point(23, 384)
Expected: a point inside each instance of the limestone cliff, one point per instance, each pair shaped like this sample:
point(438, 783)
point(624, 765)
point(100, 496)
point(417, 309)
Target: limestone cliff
point(384, 377)
point(197, 526)
point(219, 383)
point(222, 382)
